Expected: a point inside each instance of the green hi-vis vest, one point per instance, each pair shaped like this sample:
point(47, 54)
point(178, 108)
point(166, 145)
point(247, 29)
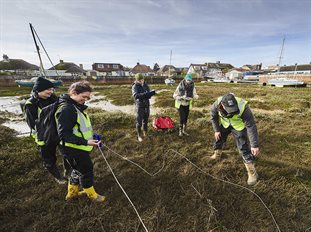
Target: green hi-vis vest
point(178, 103)
point(236, 121)
point(33, 132)
point(83, 128)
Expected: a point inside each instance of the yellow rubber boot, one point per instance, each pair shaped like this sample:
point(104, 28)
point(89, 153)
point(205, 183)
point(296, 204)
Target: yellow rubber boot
point(81, 193)
point(73, 191)
point(90, 192)
point(252, 174)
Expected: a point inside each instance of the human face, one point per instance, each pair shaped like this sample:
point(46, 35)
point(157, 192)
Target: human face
point(45, 94)
point(80, 98)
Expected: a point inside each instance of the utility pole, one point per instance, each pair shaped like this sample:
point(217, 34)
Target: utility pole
point(281, 55)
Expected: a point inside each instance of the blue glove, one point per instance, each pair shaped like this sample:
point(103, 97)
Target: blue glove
point(97, 137)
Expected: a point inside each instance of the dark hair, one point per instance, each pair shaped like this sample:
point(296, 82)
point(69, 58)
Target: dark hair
point(80, 87)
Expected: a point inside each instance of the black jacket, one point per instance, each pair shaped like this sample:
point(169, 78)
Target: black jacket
point(140, 94)
point(67, 119)
point(31, 110)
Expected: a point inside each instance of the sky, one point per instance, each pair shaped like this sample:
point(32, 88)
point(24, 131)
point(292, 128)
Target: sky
point(237, 32)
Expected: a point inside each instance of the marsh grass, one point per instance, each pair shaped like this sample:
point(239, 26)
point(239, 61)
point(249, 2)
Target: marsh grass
point(180, 197)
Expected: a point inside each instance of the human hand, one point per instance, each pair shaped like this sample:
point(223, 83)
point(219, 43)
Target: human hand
point(94, 143)
point(255, 151)
point(98, 138)
point(217, 136)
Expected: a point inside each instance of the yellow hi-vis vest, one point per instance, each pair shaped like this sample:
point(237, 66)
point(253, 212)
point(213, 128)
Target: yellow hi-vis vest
point(83, 128)
point(178, 103)
point(34, 132)
point(236, 121)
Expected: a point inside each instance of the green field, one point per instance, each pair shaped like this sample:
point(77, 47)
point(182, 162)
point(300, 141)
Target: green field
point(183, 196)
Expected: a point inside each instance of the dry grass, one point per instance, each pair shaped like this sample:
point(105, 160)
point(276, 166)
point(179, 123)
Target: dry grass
point(180, 197)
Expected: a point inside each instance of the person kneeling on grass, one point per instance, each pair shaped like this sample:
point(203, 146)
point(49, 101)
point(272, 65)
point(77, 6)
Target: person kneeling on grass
point(76, 140)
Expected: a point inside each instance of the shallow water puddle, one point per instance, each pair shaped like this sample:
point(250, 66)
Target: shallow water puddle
point(12, 105)
point(20, 127)
point(101, 103)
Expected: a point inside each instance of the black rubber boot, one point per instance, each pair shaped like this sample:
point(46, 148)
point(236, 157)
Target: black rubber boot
point(56, 174)
point(184, 130)
point(139, 134)
point(145, 127)
point(180, 134)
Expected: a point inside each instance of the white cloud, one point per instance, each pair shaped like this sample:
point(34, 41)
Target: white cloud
point(124, 31)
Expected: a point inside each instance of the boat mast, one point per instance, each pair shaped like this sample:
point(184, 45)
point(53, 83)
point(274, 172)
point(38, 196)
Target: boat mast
point(281, 55)
point(37, 48)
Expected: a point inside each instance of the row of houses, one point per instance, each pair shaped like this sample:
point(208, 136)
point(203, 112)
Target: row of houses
point(101, 70)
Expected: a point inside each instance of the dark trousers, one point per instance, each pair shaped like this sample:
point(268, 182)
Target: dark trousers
point(48, 154)
point(183, 114)
point(142, 116)
point(240, 139)
point(82, 166)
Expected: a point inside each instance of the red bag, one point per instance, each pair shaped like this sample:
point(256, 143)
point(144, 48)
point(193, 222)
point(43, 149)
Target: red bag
point(163, 123)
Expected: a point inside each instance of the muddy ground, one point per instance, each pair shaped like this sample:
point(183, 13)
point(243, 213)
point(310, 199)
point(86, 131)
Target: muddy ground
point(177, 187)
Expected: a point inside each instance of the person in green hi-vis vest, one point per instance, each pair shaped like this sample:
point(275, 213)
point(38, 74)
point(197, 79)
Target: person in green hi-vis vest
point(184, 95)
point(76, 140)
point(42, 96)
point(231, 114)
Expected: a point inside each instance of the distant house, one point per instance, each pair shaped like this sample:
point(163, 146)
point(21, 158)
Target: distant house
point(213, 70)
point(66, 69)
point(126, 71)
point(296, 69)
point(143, 69)
point(181, 71)
point(249, 67)
point(109, 69)
point(235, 73)
point(247, 71)
point(18, 66)
point(167, 70)
point(198, 69)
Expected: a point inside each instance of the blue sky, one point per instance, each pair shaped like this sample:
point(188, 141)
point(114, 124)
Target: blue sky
point(129, 31)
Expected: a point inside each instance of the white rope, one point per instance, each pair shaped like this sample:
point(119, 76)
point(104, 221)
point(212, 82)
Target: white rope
point(236, 185)
point(200, 169)
point(122, 189)
point(137, 165)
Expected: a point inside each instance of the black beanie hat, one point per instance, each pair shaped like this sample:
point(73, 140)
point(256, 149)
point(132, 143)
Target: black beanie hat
point(42, 84)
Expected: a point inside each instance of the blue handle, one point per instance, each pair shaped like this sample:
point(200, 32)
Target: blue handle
point(97, 137)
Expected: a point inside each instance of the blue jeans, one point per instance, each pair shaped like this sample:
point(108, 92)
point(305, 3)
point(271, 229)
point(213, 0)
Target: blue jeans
point(241, 142)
